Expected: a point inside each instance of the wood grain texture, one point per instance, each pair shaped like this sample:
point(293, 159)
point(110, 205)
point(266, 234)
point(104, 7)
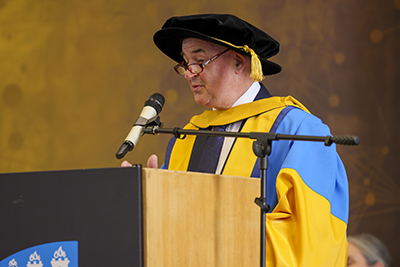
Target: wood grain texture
point(193, 219)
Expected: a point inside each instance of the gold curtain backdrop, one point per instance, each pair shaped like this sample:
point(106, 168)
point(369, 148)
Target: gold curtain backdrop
point(74, 76)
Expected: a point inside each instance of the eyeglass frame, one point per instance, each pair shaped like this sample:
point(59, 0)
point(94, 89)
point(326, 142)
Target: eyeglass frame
point(201, 65)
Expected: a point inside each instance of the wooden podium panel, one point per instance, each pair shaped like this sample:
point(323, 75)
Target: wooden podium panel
point(194, 219)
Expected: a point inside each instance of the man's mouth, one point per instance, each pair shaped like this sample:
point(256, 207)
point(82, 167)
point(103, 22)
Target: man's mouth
point(196, 87)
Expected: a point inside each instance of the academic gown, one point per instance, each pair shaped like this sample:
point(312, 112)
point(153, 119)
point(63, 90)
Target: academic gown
point(306, 181)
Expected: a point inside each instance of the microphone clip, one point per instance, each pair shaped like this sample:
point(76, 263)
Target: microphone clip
point(154, 122)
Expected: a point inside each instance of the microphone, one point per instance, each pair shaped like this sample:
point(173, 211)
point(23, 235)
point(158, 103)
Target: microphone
point(152, 107)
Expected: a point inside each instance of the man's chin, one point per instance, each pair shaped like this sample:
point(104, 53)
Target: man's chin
point(201, 100)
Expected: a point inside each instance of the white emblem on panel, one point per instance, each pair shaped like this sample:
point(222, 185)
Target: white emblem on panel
point(60, 259)
point(13, 263)
point(34, 260)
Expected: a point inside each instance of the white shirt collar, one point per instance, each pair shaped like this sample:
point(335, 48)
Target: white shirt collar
point(248, 96)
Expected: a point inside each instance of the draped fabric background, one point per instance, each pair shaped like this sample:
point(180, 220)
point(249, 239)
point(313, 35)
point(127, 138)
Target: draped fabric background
point(74, 76)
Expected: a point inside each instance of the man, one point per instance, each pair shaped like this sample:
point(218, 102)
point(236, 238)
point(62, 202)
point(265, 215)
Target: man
point(224, 60)
point(366, 250)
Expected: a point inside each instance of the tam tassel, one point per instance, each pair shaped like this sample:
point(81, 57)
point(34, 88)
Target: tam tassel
point(256, 68)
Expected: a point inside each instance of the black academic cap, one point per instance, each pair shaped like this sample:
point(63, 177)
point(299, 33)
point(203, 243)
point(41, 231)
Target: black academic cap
point(223, 29)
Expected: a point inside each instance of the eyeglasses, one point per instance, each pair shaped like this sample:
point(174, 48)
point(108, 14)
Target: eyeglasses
point(195, 68)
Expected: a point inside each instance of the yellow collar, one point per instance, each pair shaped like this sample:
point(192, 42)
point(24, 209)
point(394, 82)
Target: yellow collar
point(237, 113)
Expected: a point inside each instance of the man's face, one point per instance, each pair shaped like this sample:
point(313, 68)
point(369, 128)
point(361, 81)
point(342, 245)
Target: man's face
point(213, 86)
point(355, 257)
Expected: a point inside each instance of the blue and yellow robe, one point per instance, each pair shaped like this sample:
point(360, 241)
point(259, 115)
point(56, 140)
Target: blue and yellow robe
point(306, 181)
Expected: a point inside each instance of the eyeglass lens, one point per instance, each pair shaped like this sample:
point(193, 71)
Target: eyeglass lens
point(195, 68)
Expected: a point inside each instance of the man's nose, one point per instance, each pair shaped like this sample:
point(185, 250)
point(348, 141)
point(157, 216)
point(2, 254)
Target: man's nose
point(189, 75)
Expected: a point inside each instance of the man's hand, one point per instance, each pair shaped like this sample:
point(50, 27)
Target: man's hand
point(152, 162)
point(126, 164)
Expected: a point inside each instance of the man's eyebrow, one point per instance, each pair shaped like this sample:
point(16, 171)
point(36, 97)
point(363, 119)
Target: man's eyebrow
point(199, 50)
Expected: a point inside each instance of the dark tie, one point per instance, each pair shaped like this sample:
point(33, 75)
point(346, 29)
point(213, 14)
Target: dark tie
point(212, 149)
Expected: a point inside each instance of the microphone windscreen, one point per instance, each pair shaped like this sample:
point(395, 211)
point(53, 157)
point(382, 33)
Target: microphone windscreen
point(156, 101)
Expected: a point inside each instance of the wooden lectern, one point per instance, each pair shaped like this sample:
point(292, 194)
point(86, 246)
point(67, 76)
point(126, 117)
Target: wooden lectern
point(195, 219)
point(134, 216)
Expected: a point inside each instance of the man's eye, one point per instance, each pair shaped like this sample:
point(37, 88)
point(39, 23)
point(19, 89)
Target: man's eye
point(349, 261)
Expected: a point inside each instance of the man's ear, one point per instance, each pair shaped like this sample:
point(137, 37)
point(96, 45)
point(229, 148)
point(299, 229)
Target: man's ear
point(240, 61)
point(378, 264)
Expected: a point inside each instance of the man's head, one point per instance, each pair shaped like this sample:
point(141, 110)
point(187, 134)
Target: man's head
point(366, 250)
point(223, 80)
point(195, 39)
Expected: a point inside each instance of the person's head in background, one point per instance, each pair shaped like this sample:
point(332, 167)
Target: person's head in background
point(365, 250)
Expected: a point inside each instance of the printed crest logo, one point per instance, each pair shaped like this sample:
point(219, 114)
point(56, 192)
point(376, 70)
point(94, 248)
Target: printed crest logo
point(60, 259)
point(13, 263)
point(34, 260)
point(52, 254)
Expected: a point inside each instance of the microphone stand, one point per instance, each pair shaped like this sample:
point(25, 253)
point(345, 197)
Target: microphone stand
point(262, 149)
